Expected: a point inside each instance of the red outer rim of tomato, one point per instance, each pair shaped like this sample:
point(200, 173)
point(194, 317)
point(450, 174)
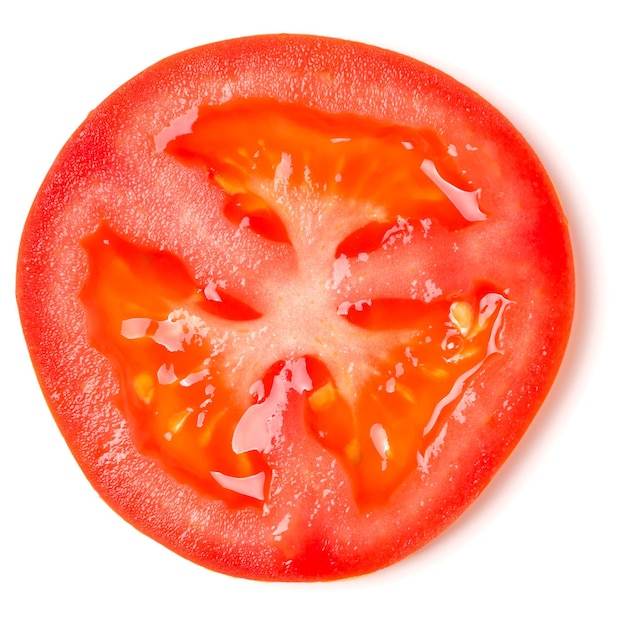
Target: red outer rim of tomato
point(100, 177)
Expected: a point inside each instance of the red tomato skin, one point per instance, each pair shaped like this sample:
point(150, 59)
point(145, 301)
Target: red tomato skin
point(103, 167)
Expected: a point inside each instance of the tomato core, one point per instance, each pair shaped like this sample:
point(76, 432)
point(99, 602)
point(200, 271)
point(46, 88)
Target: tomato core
point(289, 175)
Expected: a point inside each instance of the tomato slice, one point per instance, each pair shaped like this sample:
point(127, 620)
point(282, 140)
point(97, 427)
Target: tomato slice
point(293, 321)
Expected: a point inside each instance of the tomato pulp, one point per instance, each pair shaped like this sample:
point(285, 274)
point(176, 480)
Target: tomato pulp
point(293, 301)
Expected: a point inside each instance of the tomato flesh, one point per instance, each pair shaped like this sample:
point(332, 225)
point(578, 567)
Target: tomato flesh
point(165, 336)
point(293, 301)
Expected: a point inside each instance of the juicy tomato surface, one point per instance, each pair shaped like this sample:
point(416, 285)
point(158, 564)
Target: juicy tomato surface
point(293, 301)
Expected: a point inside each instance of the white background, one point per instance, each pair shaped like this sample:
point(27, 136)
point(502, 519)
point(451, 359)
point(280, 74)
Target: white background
point(545, 543)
